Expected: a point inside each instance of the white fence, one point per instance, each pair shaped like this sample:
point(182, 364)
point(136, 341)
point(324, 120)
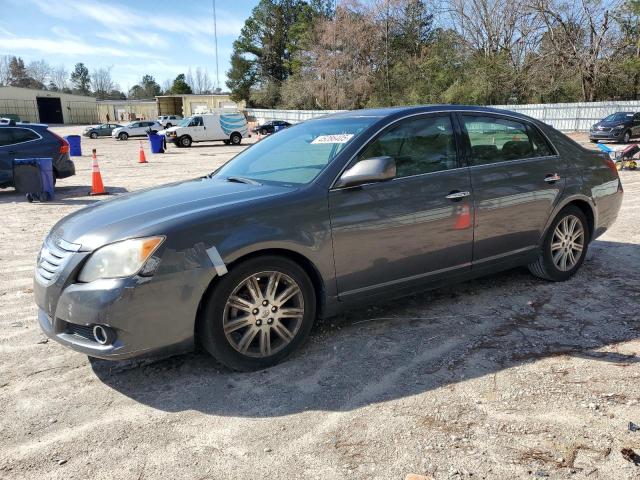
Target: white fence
point(568, 117)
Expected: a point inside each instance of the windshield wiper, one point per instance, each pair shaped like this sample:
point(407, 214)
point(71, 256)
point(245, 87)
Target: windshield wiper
point(248, 181)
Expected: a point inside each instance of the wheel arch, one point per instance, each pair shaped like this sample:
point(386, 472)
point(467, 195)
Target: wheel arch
point(585, 204)
point(307, 265)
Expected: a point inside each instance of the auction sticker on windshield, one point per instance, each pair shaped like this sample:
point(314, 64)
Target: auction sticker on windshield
point(339, 138)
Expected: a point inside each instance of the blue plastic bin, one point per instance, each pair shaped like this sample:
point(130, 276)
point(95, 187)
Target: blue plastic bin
point(34, 177)
point(75, 148)
point(157, 143)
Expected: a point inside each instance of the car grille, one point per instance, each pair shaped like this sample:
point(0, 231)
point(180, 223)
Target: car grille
point(53, 258)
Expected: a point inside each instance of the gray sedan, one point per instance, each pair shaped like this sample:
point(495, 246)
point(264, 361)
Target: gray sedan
point(327, 215)
point(103, 130)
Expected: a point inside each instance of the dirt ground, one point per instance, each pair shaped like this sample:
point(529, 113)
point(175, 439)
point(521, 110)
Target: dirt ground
point(504, 377)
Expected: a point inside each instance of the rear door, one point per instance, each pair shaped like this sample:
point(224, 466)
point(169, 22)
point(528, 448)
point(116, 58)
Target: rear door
point(517, 179)
point(414, 227)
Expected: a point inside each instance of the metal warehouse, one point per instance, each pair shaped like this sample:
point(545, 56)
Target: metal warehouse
point(44, 106)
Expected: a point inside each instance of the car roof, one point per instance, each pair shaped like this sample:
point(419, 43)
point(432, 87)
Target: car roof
point(37, 126)
point(387, 112)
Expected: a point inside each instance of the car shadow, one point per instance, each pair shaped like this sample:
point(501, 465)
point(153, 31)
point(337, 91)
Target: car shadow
point(64, 195)
point(412, 345)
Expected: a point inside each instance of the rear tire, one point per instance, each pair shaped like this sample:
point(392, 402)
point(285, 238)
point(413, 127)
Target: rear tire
point(238, 337)
point(564, 247)
point(185, 141)
point(236, 139)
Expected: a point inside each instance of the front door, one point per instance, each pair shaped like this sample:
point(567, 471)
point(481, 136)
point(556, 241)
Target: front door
point(636, 125)
point(517, 179)
point(197, 129)
point(393, 233)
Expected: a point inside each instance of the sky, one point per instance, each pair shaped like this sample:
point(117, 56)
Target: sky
point(134, 38)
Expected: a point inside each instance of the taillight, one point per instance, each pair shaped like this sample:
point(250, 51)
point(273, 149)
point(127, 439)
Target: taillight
point(611, 164)
point(64, 145)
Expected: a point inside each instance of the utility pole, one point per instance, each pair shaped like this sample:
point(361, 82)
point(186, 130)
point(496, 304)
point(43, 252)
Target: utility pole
point(215, 41)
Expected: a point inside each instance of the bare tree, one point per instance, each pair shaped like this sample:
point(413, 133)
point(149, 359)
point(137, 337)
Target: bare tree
point(102, 82)
point(39, 70)
point(495, 26)
point(582, 33)
point(60, 77)
point(200, 82)
point(166, 86)
point(5, 71)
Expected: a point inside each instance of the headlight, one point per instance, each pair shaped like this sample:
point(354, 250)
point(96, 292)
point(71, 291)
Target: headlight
point(120, 259)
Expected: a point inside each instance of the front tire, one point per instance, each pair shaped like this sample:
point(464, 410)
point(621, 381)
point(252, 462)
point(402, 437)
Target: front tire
point(258, 314)
point(564, 247)
point(627, 137)
point(123, 136)
point(93, 135)
point(185, 141)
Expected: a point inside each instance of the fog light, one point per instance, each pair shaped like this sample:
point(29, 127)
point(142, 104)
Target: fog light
point(103, 335)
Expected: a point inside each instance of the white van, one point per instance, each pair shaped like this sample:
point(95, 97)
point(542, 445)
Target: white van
point(230, 127)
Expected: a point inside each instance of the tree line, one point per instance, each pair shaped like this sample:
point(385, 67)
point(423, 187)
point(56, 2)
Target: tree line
point(314, 54)
point(98, 82)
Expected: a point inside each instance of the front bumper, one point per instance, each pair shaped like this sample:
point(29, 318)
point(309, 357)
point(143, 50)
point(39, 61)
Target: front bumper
point(610, 135)
point(149, 315)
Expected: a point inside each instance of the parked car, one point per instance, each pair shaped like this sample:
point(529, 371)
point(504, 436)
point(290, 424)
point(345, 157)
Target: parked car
point(139, 128)
point(102, 130)
point(270, 127)
point(168, 121)
point(326, 215)
point(32, 140)
point(619, 127)
point(231, 128)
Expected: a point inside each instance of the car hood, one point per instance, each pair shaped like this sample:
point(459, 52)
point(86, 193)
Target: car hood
point(149, 211)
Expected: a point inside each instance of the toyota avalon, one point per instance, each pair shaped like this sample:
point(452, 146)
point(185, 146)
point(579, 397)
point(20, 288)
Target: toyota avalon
point(326, 215)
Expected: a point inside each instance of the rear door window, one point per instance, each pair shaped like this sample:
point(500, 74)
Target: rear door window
point(495, 139)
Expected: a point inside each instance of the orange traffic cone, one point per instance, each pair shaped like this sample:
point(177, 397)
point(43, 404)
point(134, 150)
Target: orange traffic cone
point(97, 188)
point(142, 158)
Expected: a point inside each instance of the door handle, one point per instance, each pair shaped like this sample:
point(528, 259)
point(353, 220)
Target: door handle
point(552, 178)
point(457, 195)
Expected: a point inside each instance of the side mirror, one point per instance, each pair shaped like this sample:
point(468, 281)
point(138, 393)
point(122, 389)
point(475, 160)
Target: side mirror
point(369, 170)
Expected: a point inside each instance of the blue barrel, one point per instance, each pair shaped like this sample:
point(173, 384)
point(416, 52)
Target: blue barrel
point(75, 150)
point(157, 143)
point(46, 170)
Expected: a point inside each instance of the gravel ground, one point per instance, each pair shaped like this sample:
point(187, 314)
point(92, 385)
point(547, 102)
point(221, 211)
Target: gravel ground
point(503, 377)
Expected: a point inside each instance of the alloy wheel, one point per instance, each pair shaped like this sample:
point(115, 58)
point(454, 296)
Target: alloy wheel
point(263, 314)
point(567, 243)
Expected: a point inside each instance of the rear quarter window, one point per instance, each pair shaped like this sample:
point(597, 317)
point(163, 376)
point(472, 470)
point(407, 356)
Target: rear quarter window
point(21, 135)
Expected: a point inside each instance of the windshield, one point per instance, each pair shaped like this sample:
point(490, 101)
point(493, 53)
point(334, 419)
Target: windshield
point(185, 122)
point(298, 154)
point(618, 117)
